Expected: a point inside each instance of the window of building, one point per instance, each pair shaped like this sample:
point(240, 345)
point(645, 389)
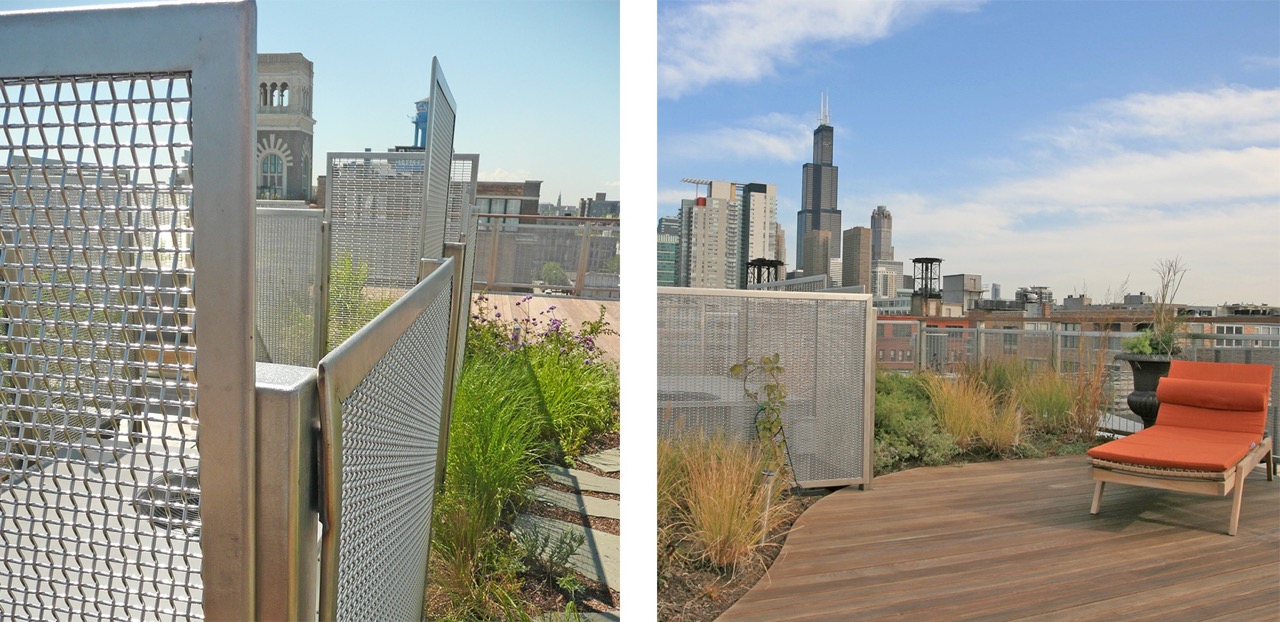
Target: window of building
point(1268, 343)
point(1228, 329)
point(902, 330)
point(271, 181)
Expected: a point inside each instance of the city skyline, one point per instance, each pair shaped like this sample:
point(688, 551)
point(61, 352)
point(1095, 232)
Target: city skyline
point(1063, 144)
point(536, 82)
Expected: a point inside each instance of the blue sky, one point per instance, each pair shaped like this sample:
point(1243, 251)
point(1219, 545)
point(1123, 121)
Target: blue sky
point(1067, 144)
point(536, 82)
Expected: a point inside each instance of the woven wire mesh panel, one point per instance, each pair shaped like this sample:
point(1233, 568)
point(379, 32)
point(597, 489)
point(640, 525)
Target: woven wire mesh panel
point(99, 494)
point(374, 207)
point(389, 428)
point(822, 342)
point(288, 288)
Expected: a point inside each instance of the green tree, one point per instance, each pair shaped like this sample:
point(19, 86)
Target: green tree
point(554, 274)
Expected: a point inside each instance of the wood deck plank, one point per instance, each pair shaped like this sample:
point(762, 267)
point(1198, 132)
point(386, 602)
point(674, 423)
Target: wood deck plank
point(1015, 540)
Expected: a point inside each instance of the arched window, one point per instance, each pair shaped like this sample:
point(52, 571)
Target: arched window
point(275, 94)
point(271, 180)
point(284, 94)
point(262, 95)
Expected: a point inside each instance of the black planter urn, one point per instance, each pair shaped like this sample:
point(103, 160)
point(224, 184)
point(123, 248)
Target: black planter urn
point(1148, 369)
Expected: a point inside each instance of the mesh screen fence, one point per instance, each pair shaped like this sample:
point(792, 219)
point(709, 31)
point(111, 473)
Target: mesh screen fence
point(287, 267)
point(374, 207)
point(99, 493)
point(822, 342)
point(549, 253)
point(389, 425)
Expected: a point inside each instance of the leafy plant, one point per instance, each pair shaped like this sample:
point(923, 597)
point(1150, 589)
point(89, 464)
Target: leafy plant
point(906, 433)
point(1161, 337)
point(771, 397)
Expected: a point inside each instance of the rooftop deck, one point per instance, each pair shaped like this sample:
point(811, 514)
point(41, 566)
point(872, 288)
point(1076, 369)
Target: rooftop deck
point(1014, 540)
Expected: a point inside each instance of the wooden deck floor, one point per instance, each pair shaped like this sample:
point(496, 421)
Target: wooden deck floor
point(1014, 540)
point(573, 311)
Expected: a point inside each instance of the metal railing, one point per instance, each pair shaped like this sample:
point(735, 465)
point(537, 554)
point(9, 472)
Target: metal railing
point(907, 345)
point(565, 255)
point(825, 342)
point(127, 492)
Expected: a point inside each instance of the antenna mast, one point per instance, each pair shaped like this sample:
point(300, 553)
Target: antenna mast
point(824, 110)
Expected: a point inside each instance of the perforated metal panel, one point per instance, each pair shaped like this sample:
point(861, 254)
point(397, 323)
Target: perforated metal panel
point(102, 512)
point(824, 341)
point(288, 269)
point(382, 394)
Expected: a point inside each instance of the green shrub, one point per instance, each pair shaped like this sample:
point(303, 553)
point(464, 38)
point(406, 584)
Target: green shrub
point(907, 433)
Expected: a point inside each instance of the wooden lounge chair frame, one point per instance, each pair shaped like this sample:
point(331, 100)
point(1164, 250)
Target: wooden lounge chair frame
point(1219, 483)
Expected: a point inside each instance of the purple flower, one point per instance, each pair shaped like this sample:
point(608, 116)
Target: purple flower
point(497, 315)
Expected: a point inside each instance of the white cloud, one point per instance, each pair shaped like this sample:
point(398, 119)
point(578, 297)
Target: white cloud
point(1254, 61)
point(1224, 117)
point(742, 41)
point(772, 137)
point(1172, 181)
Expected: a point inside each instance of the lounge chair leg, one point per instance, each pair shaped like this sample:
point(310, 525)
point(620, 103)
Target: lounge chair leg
point(1097, 497)
point(1235, 502)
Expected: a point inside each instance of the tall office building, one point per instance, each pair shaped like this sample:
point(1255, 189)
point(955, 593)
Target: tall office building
point(668, 262)
point(817, 252)
point(669, 225)
point(857, 258)
point(780, 247)
point(881, 234)
point(818, 193)
point(285, 127)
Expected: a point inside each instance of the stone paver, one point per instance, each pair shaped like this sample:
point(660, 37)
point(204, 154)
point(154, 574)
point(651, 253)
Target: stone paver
point(606, 461)
point(578, 502)
point(597, 558)
point(583, 480)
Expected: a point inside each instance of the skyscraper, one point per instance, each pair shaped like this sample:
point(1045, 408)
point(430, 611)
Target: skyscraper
point(724, 230)
point(711, 238)
point(857, 258)
point(881, 234)
point(818, 210)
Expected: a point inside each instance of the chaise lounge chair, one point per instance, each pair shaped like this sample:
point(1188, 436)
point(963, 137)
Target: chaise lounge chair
point(1208, 435)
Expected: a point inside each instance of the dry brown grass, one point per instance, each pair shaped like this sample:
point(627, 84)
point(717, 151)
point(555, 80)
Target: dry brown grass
point(714, 501)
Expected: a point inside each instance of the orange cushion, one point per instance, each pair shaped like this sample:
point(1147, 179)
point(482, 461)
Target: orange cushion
point(1177, 447)
point(1214, 394)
